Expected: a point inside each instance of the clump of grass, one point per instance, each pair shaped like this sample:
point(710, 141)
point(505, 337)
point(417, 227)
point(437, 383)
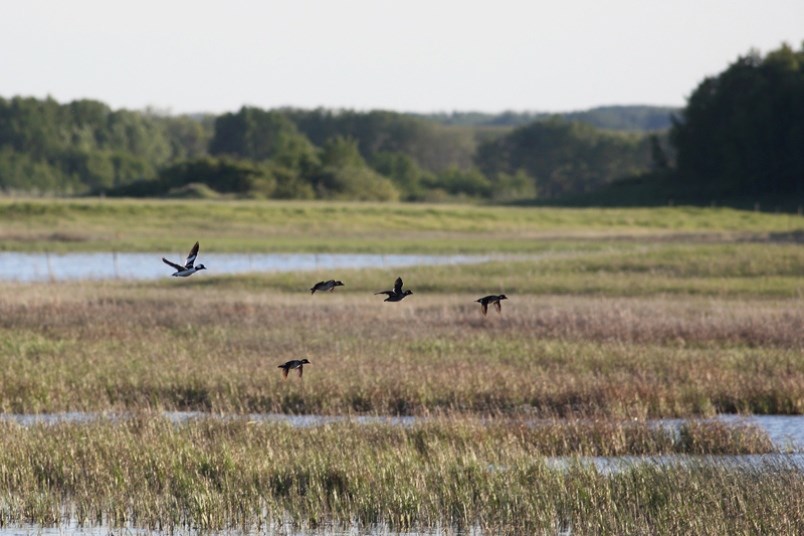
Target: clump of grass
point(212, 475)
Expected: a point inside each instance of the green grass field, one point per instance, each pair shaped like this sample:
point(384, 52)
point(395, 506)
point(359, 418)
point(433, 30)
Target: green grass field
point(615, 317)
point(251, 226)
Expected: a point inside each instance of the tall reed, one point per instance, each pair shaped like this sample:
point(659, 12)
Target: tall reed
point(211, 474)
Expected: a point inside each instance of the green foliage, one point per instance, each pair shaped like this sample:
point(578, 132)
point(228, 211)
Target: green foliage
point(742, 131)
point(434, 147)
point(219, 175)
point(404, 172)
point(517, 186)
point(259, 135)
point(564, 158)
point(21, 172)
point(84, 145)
point(345, 175)
point(467, 182)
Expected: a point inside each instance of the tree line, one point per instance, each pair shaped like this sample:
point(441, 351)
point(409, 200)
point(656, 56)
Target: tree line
point(742, 131)
point(85, 147)
point(740, 134)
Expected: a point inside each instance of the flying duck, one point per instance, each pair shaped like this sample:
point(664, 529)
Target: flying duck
point(297, 364)
point(397, 294)
point(485, 301)
point(188, 269)
point(326, 285)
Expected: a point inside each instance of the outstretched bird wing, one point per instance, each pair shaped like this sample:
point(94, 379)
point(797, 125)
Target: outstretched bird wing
point(188, 264)
point(498, 306)
point(173, 264)
point(398, 286)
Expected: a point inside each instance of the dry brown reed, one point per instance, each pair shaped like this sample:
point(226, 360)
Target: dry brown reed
point(118, 346)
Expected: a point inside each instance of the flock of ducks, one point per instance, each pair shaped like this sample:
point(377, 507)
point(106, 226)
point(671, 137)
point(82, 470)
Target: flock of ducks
point(394, 295)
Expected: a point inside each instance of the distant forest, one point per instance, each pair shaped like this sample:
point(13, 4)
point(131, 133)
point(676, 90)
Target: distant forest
point(741, 134)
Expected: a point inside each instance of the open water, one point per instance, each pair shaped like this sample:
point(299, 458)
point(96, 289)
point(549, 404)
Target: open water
point(33, 267)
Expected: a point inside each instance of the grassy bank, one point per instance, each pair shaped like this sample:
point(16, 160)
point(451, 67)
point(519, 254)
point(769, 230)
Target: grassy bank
point(250, 226)
point(214, 475)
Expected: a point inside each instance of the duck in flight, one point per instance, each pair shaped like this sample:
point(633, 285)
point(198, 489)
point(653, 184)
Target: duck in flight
point(297, 364)
point(397, 294)
point(326, 285)
point(486, 300)
point(188, 269)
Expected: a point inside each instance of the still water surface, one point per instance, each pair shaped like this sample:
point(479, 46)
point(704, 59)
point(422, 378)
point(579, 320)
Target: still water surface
point(31, 267)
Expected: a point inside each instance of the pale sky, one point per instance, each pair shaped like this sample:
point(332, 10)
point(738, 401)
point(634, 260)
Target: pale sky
point(408, 55)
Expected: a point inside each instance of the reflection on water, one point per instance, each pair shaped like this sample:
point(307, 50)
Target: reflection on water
point(29, 267)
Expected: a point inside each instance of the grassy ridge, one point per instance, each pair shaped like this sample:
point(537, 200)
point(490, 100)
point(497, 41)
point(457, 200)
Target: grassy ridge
point(243, 226)
point(213, 475)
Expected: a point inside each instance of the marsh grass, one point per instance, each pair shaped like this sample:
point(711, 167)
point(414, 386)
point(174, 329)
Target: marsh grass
point(622, 316)
point(123, 346)
point(210, 475)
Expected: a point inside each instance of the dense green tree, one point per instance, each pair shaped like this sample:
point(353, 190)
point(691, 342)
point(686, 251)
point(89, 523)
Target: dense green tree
point(345, 175)
point(508, 187)
point(658, 155)
point(220, 175)
point(256, 134)
point(406, 174)
point(564, 158)
point(189, 137)
point(84, 145)
point(459, 182)
point(742, 131)
point(19, 172)
point(432, 146)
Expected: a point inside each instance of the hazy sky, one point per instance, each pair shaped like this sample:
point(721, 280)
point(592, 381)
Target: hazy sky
point(408, 55)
